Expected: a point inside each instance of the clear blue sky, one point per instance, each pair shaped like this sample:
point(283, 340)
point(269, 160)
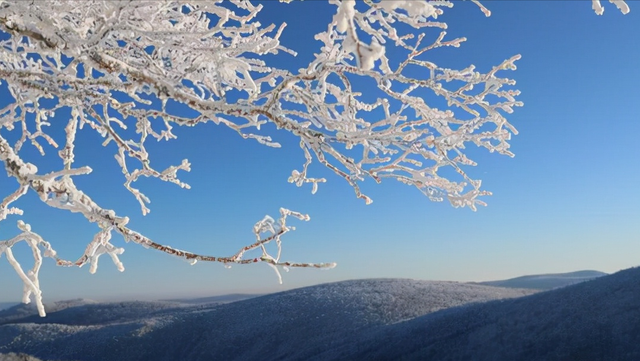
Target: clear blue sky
point(567, 201)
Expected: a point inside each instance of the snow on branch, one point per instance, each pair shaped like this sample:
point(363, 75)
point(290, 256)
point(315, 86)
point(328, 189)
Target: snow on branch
point(361, 108)
point(620, 4)
point(30, 278)
point(58, 190)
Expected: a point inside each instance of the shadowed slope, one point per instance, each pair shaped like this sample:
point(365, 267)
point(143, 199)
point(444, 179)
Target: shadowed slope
point(595, 320)
point(85, 312)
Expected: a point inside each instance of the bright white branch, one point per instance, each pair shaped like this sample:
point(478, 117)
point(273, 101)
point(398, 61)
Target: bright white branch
point(30, 278)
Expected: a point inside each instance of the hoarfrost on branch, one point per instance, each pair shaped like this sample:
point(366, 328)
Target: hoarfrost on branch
point(104, 60)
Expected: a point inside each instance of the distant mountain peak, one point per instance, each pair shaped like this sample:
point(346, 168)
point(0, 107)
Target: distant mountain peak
point(546, 281)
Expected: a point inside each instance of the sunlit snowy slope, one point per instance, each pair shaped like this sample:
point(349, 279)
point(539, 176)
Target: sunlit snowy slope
point(295, 324)
point(381, 319)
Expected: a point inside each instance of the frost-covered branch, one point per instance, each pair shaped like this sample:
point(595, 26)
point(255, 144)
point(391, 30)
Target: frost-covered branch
point(30, 278)
point(58, 191)
point(362, 108)
point(620, 4)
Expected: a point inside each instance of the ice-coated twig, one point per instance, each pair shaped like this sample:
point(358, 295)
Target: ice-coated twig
point(58, 190)
point(30, 278)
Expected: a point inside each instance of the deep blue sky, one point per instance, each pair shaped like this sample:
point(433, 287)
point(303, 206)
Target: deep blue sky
point(567, 201)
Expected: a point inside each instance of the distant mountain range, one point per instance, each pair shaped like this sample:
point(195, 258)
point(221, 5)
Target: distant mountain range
point(380, 319)
point(546, 281)
point(5, 305)
point(233, 297)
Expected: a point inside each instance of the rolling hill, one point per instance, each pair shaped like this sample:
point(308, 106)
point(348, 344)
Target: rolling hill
point(546, 281)
point(289, 325)
point(595, 320)
point(85, 312)
point(380, 319)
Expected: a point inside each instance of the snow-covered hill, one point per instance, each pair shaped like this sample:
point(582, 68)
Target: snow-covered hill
point(289, 325)
point(594, 320)
point(546, 281)
point(22, 311)
point(85, 312)
point(381, 319)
